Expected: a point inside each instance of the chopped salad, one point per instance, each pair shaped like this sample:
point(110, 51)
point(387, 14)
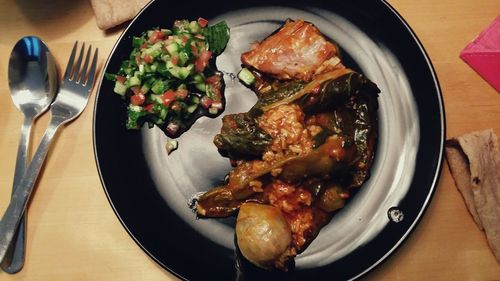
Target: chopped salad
point(170, 78)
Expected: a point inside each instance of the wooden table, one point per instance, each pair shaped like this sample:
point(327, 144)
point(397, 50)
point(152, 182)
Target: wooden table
point(73, 233)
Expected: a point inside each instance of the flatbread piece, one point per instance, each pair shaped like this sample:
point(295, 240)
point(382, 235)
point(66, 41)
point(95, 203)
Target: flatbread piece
point(474, 161)
point(110, 13)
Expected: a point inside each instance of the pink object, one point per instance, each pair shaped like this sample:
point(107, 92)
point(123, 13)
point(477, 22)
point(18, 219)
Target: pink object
point(483, 54)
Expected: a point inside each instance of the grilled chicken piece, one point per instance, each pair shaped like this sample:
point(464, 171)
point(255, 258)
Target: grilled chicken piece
point(297, 51)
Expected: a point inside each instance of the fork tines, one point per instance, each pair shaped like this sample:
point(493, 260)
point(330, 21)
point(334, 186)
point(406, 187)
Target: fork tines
point(83, 75)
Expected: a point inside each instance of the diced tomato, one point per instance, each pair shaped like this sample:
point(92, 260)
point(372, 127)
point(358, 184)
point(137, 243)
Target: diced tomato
point(214, 84)
point(194, 49)
point(136, 90)
point(144, 45)
point(213, 79)
point(148, 107)
point(168, 97)
point(181, 94)
point(206, 102)
point(121, 79)
point(175, 59)
point(148, 59)
point(137, 99)
point(202, 22)
point(156, 36)
point(202, 60)
point(184, 38)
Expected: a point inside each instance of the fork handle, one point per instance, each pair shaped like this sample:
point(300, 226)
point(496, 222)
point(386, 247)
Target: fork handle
point(23, 189)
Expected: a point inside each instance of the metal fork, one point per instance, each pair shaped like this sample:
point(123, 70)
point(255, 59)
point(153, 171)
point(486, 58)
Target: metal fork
point(70, 102)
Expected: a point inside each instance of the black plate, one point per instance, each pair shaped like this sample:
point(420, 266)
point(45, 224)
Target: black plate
point(149, 191)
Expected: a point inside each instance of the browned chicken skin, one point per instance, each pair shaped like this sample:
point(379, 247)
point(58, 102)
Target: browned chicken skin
point(297, 51)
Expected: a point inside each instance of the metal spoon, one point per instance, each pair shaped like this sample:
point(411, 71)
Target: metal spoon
point(33, 82)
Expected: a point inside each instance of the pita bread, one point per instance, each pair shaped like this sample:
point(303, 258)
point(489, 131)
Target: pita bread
point(110, 13)
point(474, 161)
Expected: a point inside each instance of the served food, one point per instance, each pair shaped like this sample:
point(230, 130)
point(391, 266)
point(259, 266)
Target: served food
point(300, 152)
point(170, 78)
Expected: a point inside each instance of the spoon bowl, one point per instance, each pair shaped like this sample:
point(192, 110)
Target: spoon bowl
point(33, 82)
point(32, 76)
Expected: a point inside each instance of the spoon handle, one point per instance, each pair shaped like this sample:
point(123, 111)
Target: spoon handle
point(14, 259)
point(22, 191)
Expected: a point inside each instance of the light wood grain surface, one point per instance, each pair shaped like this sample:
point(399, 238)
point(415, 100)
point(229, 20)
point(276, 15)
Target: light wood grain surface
point(73, 233)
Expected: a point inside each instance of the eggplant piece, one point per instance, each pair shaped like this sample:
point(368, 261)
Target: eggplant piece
point(320, 163)
point(241, 137)
point(332, 198)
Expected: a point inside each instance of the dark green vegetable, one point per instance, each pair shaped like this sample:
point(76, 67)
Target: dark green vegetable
point(278, 91)
point(338, 92)
point(241, 137)
point(217, 37)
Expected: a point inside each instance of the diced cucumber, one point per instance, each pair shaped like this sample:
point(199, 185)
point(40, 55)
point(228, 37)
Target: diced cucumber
point(153, 67)
point(194, 27)
point(190, 109)
point(246, 76)
point(201, 86)
point(135, 108)
point(145, 88)
point(185, 71)
point(133, 81)
point(183, 59)
point(198, 78)
point(163, 113)
point(181, 72)
point(120, 88)
point(128, 70)
point(154, 51)
point(166, 31)
point(138, 74)
point(169, 65)
point(213, 110)
point(173, 48)
point(195, 100)
point(156, 98)
point(158, 87)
